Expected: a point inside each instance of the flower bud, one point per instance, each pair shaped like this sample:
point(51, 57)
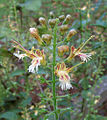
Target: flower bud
point(63, 49)
point(67, 19)
point(63, 28)
point(34, 33)
point(62, 17)
point(42, 106)
point(43, 61)
point(71, 33)
point(36, 112)
point(51, 14)
point(42, 21)
point(52, 22)
point(47, 38)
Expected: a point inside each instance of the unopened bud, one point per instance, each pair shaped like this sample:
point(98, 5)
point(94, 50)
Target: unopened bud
point(37, 76)
point(67, 19)
point(35, 112)
point(42, 106)
point(42, 21)
point(32, 107)
point(62, 17)
point(71, 33)
point(34, 33)
point(63, 49)
point(47, 38)
point(71, 55)
point(43, 61)
point(52, 22)
point(51, 14)
point(63, 28)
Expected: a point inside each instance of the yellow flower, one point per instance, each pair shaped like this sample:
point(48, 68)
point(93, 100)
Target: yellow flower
point(64, 78)
point(37, 56)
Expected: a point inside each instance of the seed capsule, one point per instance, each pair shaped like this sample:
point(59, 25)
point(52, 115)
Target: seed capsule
point(47, 38)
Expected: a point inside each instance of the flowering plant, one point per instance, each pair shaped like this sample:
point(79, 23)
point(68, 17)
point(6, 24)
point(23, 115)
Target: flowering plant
point(50, 40)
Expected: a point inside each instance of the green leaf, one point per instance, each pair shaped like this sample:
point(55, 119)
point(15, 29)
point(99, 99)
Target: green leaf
point(33, 5)
point(2, 94)
point(9, 116)
point(84, 83)
point(17, 72)
point(5, 53)
point(26, 101)
point(96, 117)
point(84, 94)
point(49, 117)
point(65, 115)
point(100, 23)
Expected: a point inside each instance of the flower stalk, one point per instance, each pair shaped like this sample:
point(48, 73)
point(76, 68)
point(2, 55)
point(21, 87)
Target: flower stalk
point(53, 71)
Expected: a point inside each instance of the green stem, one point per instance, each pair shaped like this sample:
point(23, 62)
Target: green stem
point(53, 72)
point(81, 26)
point(15, 11)
point(26, 77)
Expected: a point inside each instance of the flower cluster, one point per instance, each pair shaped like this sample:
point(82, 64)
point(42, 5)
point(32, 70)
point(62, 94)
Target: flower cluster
point(38, 57)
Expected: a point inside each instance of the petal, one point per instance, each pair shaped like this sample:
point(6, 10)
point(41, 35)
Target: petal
point(85, 56)
point(38, 52)
point(58, 66)
point(31, 68)
point(63, 66)
point(35, 64)
point(72, 49)
point(65, 86)
point(20, 56)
